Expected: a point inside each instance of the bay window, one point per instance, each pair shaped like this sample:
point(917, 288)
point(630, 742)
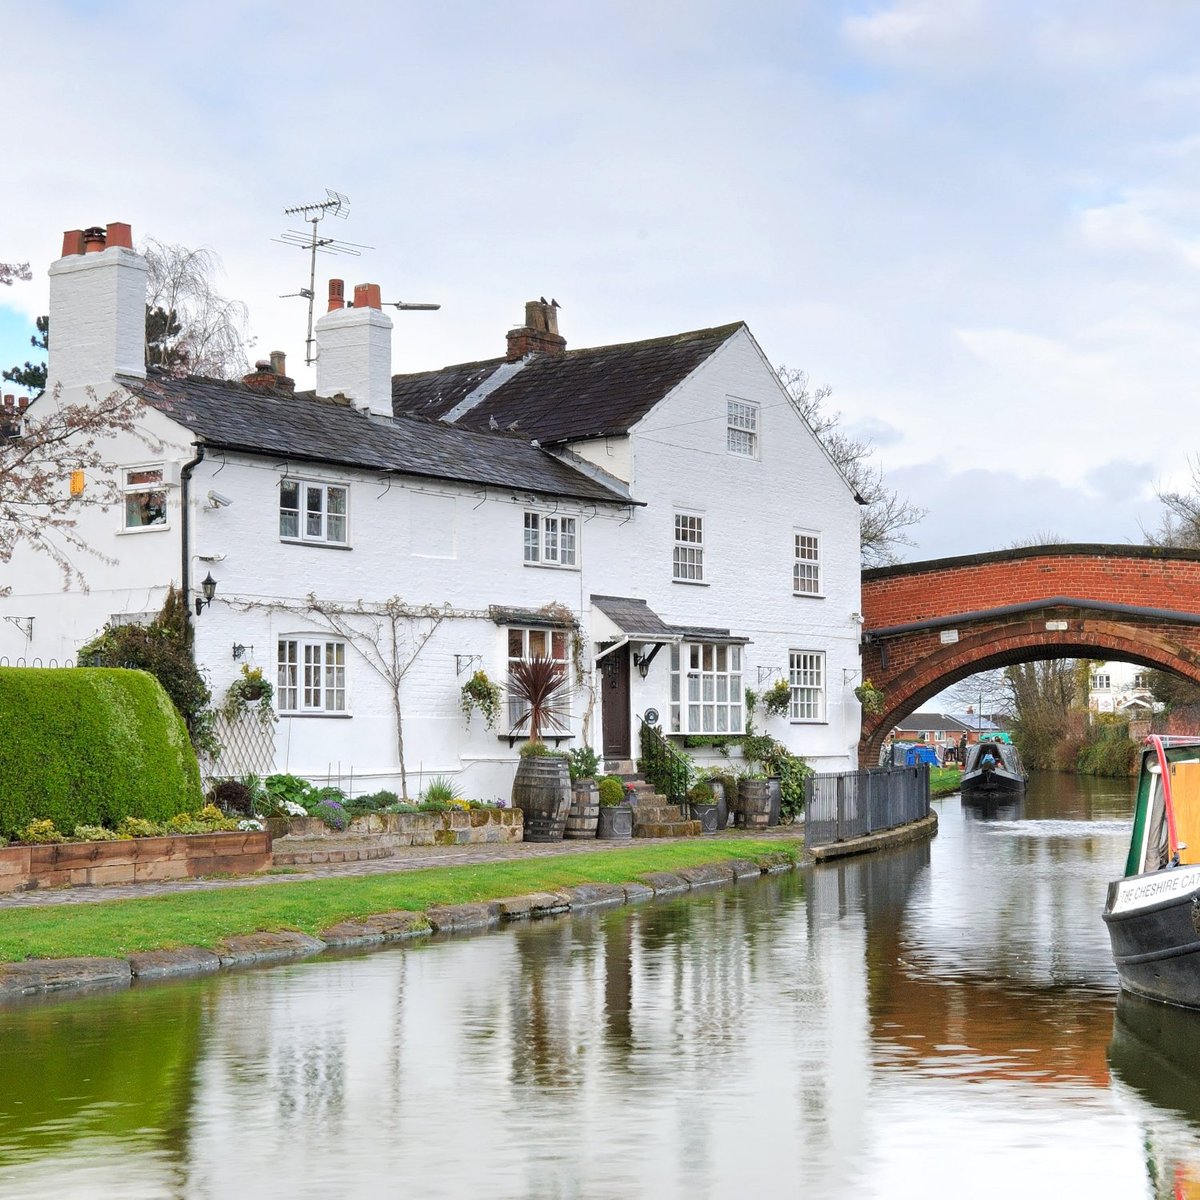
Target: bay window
point(706, 688)
point(529, 643)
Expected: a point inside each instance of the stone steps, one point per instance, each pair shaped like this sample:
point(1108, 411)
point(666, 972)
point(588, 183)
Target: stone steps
point(655, 817)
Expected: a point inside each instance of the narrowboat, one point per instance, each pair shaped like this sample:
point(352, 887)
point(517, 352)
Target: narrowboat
point(993, 768)
point(1153, 911)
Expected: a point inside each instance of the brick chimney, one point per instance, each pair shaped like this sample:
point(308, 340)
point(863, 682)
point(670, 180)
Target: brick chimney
point(539, 334)
point(11, 413)
point(97, 309)
point(270, 374)
point(354, 349)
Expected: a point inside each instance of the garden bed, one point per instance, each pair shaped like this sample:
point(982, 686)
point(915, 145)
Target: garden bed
point(379, 835)
point(132, 860)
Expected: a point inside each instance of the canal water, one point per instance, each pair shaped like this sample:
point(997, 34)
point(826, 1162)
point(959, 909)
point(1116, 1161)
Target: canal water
point(936, 1021)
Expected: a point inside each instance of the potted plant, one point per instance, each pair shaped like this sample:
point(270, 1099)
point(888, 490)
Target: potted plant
point(777, 699)
point(582, 765)
point(870, 697)
point(542, 787)
point(479, 692)
point(616, 817)
point(754, 800)
point(703, 806)
point(249, 689)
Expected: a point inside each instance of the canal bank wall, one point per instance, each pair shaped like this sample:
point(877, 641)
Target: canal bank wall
point(39, 977)
point(871, 842)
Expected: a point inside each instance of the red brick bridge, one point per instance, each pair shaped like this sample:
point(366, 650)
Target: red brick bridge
point(927, 625)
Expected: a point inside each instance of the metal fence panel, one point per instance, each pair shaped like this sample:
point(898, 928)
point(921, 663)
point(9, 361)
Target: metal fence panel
point(849, 804)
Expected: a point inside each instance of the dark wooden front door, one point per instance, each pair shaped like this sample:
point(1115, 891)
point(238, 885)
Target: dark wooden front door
point(614, 705)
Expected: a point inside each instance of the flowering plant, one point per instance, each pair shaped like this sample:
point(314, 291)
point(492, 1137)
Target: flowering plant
point(870, 697)
point(333, 814)
point(251, 825)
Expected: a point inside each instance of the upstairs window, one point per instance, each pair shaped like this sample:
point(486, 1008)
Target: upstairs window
point(311, 675)
point(806, 675)
point(145, 497)
point(687, 564)
point(1101, 683)
point(313, 512)
point(742, 428)
point(806, 569)
point(551, 541)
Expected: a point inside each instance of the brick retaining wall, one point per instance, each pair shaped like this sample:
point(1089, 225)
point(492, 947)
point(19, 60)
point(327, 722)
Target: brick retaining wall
point(134, 860)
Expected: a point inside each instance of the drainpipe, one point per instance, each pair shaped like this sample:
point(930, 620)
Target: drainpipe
point(185, 541)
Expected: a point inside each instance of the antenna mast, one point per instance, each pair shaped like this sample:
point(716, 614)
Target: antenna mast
point(335, 205)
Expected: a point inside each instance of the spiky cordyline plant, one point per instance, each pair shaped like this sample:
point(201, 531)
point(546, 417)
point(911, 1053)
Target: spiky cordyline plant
point(540, 683)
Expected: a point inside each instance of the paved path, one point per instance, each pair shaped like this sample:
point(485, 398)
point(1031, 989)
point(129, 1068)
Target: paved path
point(408, 858)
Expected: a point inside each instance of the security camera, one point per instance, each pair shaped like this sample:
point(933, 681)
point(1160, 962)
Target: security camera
point(219, 501)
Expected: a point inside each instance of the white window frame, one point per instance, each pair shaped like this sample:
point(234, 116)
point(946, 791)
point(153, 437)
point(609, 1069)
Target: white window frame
point(325, 531)
point(807, 680)
point(1102, 682)
point(536, 641)
point(707, 695)
point(148, 489)
point(550, 540)
point(742, 427)
point(806, 563)
point(687, 553)
point(310, 675)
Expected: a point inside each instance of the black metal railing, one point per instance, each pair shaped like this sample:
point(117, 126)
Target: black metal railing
point(668, 769)
point(852, 804)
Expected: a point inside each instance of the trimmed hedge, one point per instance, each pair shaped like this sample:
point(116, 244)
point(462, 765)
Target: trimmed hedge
point(90, 746)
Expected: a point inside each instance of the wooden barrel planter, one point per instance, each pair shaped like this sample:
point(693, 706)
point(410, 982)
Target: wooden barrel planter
point(585, 809)
point(754, 802)
point(542, 791)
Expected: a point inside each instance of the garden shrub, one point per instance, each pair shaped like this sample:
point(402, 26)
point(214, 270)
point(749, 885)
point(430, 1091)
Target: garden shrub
point(332, 813)
point(91, 746)
point(164, 649)
point(39, 833)
point(612, 791)
point(232, 796)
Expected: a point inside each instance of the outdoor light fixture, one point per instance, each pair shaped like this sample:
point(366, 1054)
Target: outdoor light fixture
point(642, 663)
point(208, 585)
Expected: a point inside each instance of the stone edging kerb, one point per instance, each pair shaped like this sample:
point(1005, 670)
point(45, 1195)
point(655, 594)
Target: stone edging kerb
point(40, 976)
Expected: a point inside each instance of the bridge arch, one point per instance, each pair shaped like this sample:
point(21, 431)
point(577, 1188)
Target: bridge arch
point(928, 625)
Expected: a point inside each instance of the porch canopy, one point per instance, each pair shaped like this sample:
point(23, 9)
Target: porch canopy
point(621, 620)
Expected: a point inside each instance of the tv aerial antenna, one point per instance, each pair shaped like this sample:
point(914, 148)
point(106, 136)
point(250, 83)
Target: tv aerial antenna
point(334, 205)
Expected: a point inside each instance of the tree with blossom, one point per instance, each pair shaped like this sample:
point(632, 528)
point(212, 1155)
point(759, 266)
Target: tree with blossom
point(55, 464)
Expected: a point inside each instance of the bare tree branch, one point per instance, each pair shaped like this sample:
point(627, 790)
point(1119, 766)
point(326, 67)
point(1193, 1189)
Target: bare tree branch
point(11, 273)
point(885, 513)
point(204, 333)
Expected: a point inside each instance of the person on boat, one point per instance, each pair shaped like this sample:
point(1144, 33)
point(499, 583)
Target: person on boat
point(987, 760)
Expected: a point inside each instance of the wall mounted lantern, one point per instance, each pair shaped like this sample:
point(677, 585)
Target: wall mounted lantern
point(208, 586)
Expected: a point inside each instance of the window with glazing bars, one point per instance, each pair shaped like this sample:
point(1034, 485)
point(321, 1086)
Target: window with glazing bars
point(688, 561)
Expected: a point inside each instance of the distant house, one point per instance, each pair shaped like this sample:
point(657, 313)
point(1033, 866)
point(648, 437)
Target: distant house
point(944, 732)
point(1120, 688)
point(655, 516)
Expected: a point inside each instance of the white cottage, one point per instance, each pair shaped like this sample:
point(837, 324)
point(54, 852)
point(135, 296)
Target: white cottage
point(657, 515)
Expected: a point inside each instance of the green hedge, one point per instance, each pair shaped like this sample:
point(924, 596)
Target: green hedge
point(89, 746)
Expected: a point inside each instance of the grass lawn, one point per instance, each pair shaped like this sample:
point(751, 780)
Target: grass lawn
point(943, 781)
point(117, 928)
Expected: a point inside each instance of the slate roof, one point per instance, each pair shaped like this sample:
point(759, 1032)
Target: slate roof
point(595, 392)
point(232, 416)
point(635, 617)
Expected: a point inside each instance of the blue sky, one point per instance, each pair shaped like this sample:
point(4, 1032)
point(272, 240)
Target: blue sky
point(977, 220)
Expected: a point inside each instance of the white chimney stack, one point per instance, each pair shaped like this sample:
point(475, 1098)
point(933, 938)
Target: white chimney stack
point(354, 349)
point(97, 309)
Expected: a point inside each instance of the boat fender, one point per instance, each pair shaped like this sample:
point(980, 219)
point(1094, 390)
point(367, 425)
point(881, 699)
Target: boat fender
point(1196, 911)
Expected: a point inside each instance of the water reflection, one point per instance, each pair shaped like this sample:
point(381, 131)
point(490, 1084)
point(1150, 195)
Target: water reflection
point(935, 1021)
